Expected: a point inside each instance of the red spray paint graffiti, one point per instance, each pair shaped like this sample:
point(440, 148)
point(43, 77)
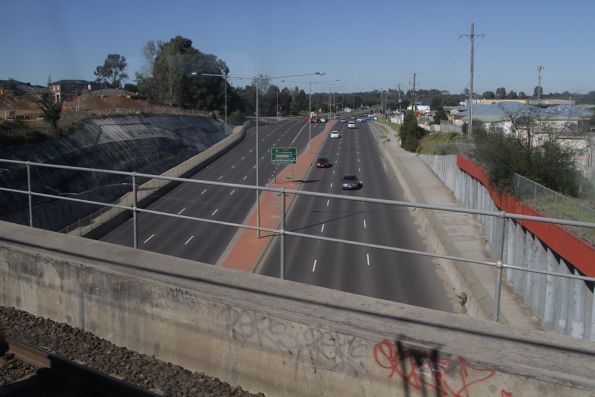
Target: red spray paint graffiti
point(422, 370)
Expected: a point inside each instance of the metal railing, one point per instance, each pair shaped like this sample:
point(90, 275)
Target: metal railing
point(557, 205)
point(499, 265)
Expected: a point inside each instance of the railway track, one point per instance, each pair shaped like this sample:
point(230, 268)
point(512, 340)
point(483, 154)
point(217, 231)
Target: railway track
point(50, 375)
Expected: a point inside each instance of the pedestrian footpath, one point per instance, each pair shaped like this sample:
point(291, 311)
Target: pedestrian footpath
point(459, 234)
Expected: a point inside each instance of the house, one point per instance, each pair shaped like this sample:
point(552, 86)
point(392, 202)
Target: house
point(569, 125)
point(66, 89)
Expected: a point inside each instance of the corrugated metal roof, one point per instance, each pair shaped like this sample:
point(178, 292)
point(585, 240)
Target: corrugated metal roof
point(504, 111)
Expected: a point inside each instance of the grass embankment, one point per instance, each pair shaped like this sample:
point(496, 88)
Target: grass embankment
point(441, 143)
point(383, 134)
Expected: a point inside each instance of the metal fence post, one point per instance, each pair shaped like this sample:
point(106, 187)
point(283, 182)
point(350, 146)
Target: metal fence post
point(134, 216)
point(282, 269)
point(29, 193)
point(499, 265)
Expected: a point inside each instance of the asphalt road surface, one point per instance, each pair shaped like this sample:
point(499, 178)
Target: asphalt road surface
point(373, 272)
point(202, 241)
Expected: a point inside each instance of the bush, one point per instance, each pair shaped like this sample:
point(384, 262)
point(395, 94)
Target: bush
point(504, 155)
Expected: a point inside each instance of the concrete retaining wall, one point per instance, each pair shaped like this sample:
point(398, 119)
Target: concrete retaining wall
point(566, 306)
point(276, 336)
point(104, 220)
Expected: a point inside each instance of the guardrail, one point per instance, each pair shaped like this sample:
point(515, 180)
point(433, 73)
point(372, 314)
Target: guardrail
point(282, 233)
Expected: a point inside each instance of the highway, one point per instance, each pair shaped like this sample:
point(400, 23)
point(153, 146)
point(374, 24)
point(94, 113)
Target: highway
point(379, 273)
point(202, 241)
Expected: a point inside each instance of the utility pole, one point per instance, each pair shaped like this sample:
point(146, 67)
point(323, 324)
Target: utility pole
point(539, 69)
point(399, 84)
point(470, 100)
point(413, 101)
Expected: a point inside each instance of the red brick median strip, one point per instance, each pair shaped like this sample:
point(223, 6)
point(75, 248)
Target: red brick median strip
point(248, 248)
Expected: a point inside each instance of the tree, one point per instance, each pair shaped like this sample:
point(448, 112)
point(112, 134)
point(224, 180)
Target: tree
point(501, 93)
point(436, 103)
point(488, 95)
point(537, 90)
point(440, 115)
point(522, 95)
point(51, 111)
point(111, 73)
point(131, 87)
point(511, 95)
point(411, 133)
point(173, 73)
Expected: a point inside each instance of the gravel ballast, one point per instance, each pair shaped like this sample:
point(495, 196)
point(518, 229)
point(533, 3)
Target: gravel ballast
point(138, 369)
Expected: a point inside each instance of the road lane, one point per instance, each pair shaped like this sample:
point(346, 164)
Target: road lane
point(374, 272)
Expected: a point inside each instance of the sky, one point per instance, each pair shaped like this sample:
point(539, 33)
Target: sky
point(367, 45)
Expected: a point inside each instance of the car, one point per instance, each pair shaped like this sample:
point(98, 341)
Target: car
point(343, 121)
point(359, 119)
point(322, 119)
point(351, 182)
point(323, 163)
point(351, 124)
point(335, 134)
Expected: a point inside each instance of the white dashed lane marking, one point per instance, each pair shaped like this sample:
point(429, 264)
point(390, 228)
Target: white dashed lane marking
point(203, 192)
point(187, 241)
point(314, 267)
point(328, 202)
point(214, 212)
point(182, 210)
point(150, 237)
point(232, 192)
point(322, 228)
point(364, 223)
point(368, 259)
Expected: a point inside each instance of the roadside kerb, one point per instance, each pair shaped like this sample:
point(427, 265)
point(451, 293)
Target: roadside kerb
point(247, 249)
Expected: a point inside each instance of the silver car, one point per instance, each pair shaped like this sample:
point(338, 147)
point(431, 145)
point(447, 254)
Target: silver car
point(351, 182)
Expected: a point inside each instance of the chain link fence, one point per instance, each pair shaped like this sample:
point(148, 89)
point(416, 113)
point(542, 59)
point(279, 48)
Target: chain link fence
point(556, 205)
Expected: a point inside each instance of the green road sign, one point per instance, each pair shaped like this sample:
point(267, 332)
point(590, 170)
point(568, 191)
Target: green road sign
point(286, 155)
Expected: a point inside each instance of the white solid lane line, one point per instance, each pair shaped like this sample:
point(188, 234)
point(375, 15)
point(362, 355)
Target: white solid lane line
point(368, 259)
point(322, 228)
point(182, 210)
point(187, 241)
point(147, 240)
point(214, 212)
point(314, 267)
point(203, 192)
point(232, 192)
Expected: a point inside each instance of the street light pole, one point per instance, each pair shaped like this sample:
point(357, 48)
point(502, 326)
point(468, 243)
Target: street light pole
point(256, 83)
point(257, 179)
point(225, 82)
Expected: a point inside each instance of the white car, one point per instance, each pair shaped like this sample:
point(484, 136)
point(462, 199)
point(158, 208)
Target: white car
point(335, 134)
point(351, 124)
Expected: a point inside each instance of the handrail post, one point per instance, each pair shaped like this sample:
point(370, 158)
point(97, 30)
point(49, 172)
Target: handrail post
point(29, 193)
point(499, 264)
point(282, 269)
point(134, 215)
